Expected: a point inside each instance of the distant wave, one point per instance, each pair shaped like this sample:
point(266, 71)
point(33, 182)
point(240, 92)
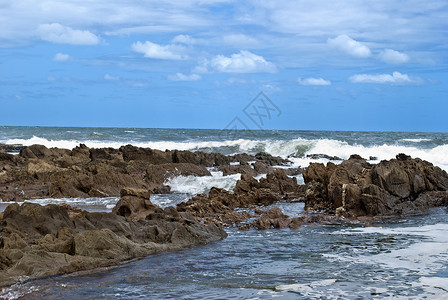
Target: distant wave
point(295, 149)
point(416, 140)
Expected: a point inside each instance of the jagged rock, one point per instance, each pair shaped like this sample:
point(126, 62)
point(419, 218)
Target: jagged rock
point(272, 218)
point(324, 156)
point(218, 207)
point(38, 241)
point(400, 186)
point(89, 172)
point(6, 157)
point(262, 168)
point(235, 169)
point(11, 147)
point(134, 204)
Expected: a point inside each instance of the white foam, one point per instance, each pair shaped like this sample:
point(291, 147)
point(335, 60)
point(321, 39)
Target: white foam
point(18, 290)
point(197, 185)
point(437, 287)
point(425, 256)
point(107, 202)
point(416, 140)
point(295, 149)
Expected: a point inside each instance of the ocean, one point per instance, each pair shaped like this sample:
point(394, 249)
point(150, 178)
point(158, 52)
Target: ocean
point(399, 259)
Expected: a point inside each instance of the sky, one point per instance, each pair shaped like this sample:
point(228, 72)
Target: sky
point(319, 65)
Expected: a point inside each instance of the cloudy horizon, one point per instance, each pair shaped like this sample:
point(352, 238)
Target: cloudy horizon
point(341, 65)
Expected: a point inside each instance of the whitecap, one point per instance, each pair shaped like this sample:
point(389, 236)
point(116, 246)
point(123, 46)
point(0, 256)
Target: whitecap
point(197, 185)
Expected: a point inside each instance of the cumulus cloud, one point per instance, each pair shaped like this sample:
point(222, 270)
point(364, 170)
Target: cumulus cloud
point(153, 50)
point(349, 46)
point(242, 62)
point(183, 77)
point(393, 57)
point(60, 57)
point(396, 78)
point(313, 81)
point(57, 33)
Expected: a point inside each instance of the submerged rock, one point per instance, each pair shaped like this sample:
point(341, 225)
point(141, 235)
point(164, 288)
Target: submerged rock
point(323, 156)
point(38, 241)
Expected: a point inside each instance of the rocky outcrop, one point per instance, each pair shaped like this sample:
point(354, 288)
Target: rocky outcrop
point(219, 205)
point(11, 147)
point(323, 156)
point(274, 218)
point(400, 186)
point(38, 171)
point(38, 241)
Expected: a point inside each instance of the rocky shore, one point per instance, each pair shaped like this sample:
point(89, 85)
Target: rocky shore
point(40, 172)
point(38, 241)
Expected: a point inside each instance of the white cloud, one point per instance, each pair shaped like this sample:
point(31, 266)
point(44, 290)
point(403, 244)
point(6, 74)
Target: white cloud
point(396, 78)
point(184, 39)
point(393, 57)
point(153, 50)
point(242, 62)
point(111, 78)
point(183, 77)
point(348, 45)
point(57, 33)
point(60, 57)
point(313, 81)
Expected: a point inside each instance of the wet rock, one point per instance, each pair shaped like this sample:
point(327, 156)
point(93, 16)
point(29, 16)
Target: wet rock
point(219, 205)
point(11, 147)
point(261, 168)
point(272, 218)
point(400, 186)
point(323, 156)
point(238, 169)
point(89, 172)
point(134, 204)
point(38, 241)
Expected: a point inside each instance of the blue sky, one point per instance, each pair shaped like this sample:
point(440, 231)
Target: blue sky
point(339, 65)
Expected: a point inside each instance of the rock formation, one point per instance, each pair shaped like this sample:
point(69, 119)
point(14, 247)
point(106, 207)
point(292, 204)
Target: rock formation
point(219, 205)
point(38, 241)
point(40, 172)
point(400, 186)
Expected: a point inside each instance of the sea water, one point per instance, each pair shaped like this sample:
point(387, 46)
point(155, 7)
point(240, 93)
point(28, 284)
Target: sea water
point(400, 259)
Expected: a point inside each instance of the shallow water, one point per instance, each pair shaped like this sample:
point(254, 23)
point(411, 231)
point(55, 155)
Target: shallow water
point(400, 259)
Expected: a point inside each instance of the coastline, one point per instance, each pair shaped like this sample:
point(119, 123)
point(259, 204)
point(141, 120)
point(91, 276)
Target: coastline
point(217, 209)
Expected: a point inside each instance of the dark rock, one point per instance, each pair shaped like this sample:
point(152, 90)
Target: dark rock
point(262, 168)
point(83, 172)
point(235, 169)
point(323, 156)
point(38, 241)
point(356, 188)
point(11, 147)
point(6, 157)
point(134, 204)
point(218, 207)
point(272, 218)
